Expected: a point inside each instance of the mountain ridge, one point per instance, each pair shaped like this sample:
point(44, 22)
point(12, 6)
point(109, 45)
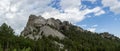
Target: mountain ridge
point(39, 26)
point(53, 35)
point(55, 25)
point(52, 27)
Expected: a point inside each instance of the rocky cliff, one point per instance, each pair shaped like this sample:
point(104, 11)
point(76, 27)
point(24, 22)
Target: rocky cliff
point(37, 27)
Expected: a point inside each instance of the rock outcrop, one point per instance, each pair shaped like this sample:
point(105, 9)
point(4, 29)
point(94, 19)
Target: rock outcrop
point(108, 35)
point(37, 27)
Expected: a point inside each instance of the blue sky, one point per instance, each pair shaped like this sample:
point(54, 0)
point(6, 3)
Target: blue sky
point(93, 15)
point(107, 22)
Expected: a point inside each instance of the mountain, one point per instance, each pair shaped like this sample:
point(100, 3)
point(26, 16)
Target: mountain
point(69, 36)
point(51, 34)
point(108, 35)
point(38, 26)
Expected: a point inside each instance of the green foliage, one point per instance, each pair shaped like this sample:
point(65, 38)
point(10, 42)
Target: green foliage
point(5, 29)
point(6, 36)
point(75, 41)
point(88, 41)
point(1, 48)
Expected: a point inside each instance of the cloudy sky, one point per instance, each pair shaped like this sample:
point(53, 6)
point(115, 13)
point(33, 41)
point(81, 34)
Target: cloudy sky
point(92, 15)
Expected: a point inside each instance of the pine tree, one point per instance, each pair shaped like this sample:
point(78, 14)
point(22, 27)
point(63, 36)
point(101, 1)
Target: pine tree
point(6, 33)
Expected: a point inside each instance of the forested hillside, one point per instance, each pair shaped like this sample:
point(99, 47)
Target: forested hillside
point(75, 41)
point(53, 35)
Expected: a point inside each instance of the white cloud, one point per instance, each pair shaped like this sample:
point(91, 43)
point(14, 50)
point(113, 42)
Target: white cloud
point(70, 3)
point(91, 29)
point(100, 13)
point(73, 14)
point(114, 5)
point(93, 1)
point(95, 25)
point(16, 12)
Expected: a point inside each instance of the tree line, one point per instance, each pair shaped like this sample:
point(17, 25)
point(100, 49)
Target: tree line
point(75, 41)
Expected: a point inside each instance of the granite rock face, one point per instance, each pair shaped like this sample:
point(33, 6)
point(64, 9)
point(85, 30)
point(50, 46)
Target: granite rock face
point(108, 35)
point(37, 26)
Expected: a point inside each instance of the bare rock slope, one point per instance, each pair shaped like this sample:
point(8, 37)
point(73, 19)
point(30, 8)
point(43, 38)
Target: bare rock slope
point(37, 26)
